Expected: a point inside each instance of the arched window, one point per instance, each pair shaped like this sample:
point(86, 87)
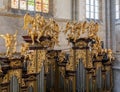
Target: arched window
point(117, 9)
point(31, 5)
point(92, 9)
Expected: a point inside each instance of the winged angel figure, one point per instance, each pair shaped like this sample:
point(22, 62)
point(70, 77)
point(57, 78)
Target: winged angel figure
point(27, 20)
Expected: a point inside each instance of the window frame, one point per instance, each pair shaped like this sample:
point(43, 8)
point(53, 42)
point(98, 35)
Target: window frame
point(94, 11)
point(22, 12)
point(117, 11)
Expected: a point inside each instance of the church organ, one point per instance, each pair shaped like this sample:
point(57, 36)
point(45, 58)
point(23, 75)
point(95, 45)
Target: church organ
point(86, 67)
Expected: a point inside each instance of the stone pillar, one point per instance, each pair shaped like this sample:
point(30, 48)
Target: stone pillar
point(74, 9)
point(112, 25)
point(107, 15)
point(116, 82)
point(112, 41)
point(116, 74)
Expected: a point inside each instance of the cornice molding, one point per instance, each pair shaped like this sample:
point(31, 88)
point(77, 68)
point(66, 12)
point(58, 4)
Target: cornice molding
point(21, 16)
point(10, 15)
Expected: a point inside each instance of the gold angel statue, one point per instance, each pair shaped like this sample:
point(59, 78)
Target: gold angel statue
point(24, 48)
point(37, 27)
point(110, 55)
point(27, 20)
point(61, 56)
point(75, 29)
point(68, 27)
point(1, 68)
point(10, 43)
point(14, 42)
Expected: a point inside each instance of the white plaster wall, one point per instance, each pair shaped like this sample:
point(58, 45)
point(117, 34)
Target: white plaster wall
point(62, 9)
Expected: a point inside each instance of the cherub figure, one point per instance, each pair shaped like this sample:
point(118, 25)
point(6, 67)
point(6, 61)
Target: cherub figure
point(68, 27)
point(14, 42)
point(1, 68)
point(85, 26)
point(110, 55)
point(39, 35)
point(73, 30)
point(33, 34)
point(91, 28)
point(5, 79)
point(10, 43)
point(23, 82)
point(42, 22)
point(96, 27)
point(24, 48)
point(37, 28)
point(27, 20)
point(31, 25)
point(61, 56)
point(70, 65)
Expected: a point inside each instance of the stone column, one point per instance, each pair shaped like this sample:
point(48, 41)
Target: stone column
point(107, 17)
point(74, 9)
point(112, 25)
point(112, 41)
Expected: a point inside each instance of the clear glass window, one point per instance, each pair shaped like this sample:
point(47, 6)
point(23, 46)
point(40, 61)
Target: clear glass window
point(117, 9)
point(92, 9)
